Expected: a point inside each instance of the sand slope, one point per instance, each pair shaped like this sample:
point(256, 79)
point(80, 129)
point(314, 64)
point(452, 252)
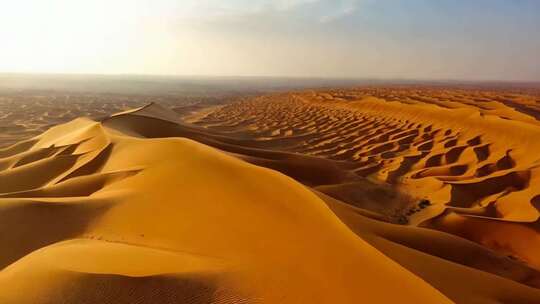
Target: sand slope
point(472, 153)
point(92, 214)
point(142, 208)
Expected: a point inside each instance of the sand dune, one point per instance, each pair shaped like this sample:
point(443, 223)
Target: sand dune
point(28, 113)
point(236, 243)
point(296, 198)
point(469, 152)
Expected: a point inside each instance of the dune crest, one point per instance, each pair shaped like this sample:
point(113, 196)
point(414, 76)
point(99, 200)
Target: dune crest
point(469, 152)
point(120, 211)
point(145, 208)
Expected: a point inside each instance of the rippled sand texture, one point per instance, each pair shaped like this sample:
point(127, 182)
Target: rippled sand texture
point(473, 154)
point(25, 114)
point(276, 199)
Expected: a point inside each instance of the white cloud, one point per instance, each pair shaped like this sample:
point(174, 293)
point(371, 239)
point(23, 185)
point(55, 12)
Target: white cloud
point(319, 10)
point(291, 4)
point(346, 9)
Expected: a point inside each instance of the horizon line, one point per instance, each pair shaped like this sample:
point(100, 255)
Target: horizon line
point(298, 77)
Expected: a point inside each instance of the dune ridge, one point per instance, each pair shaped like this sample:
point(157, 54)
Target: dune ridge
point(468, 152)
point(141, 207)
point(233, 244)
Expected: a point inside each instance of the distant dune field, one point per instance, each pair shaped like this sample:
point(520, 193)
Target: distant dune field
point(373, 195)
point(472, 154)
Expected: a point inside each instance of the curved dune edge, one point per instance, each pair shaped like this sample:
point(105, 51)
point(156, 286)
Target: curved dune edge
point(472, 154)
point(203, 225)
point(130, 210)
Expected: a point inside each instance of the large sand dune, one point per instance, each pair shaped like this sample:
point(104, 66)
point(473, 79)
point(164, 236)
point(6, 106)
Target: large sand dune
point(473, 154)
point(293, 198)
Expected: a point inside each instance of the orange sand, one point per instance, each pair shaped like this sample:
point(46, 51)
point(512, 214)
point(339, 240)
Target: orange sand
point(472, 153)
point(141, 207)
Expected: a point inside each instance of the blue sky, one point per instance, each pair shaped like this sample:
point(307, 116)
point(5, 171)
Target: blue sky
point(414, 39)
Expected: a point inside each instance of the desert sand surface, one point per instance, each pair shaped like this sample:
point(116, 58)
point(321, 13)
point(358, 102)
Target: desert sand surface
point(28, 113)
point(372, 195)
point(472, 154)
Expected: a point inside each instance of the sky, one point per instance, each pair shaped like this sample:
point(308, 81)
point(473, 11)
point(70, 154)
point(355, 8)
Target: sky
point(405, 39)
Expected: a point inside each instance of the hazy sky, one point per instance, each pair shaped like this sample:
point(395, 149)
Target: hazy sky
point(448, 39)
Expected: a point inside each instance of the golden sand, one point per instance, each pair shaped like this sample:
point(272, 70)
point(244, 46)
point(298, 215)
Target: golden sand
point(286, 198)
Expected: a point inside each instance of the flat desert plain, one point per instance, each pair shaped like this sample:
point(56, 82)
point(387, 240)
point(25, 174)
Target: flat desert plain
point(396, 194)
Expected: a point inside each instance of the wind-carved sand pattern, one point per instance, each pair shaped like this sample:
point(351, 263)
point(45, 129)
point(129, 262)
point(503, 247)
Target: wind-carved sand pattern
point(24, 114)
point(285, 198)
point(473, 154)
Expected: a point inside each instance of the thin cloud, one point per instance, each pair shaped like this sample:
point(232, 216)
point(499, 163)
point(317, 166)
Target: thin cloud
point(347, 9)
point(285, 5)
point(322, 11)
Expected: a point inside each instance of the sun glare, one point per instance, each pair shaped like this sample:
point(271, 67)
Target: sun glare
point(63, 35)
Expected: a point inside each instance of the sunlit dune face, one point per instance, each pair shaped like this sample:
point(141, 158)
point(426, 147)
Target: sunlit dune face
point(321, 185)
